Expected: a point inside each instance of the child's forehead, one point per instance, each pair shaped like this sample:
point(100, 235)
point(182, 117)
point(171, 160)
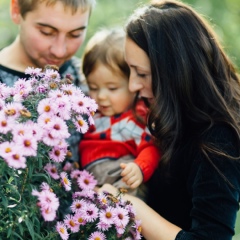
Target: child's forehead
point(106, 75)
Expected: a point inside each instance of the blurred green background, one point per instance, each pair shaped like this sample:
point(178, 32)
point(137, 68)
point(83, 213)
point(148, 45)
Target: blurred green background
point(224, 16)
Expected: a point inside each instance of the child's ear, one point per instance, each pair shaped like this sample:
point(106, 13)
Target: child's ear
point(15, 11)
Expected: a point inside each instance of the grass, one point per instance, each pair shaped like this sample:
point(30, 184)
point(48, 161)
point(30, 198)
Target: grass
point(237, 235)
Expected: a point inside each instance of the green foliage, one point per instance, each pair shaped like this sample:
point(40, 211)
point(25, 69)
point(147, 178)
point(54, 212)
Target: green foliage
point(224, 16)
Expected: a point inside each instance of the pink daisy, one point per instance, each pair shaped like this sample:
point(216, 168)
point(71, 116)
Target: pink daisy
point(46, 106)
point(44, 186)
point(80, 124)
point(22, 87)
point(58, 154)
point(90, 212)
point(44, 120)
point(52, 74)
point(68, 167)
point(75, 174)
point(87, 193)
point(12, 110)
point(48, 200)
point(62, 230)
point(97, 236)
point(48, 214)
point(103, 198)
point(120, 229)
point(27, 143)
point(65, 181)
point(5, 124)
point(121, 217)
point(49, 140)
point(77, 205)
point(71, 223)
point(15, 160)
point(52, 170)
point(58, 128)
point(56, 93)
point(107, 216)
point(79, 219)
point(80, 104)
point(5, 91)
point(103, 226)
point(137, 226)
point(69, 90)
point(91, 119)
point(86, 181)
point(19, 129)
point(63, 107)
point(33, 71)
point(7, 149)
point(35, 129)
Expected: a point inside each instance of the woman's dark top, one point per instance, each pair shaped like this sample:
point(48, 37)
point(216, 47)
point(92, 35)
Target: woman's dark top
point(192, 194)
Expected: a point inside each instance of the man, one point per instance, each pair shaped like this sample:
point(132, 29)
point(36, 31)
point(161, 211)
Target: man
point(50, 32)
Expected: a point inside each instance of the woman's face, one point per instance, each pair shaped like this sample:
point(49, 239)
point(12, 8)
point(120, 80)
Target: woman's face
point(140, 79)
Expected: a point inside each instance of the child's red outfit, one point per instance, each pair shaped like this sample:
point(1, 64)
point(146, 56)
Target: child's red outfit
point(117, 136)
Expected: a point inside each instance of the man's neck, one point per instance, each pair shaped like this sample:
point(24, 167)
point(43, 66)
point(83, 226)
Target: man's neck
point(13, 57)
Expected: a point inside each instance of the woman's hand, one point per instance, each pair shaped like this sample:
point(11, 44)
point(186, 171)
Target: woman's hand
point(109, 188)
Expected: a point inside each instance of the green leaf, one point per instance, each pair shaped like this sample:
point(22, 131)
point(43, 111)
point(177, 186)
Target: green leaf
point(30, 227)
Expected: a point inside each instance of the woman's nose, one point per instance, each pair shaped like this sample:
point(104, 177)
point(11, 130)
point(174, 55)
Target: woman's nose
point(134, 85)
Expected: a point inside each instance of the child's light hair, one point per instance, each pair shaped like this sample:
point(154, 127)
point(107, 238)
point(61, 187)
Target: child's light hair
point(106, 47)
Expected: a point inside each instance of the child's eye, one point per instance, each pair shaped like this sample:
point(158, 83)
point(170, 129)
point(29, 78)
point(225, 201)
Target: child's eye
point(112, 88)
point(92, 89)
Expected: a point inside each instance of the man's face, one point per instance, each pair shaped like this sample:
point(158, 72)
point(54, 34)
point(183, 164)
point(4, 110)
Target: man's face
point(51, 34)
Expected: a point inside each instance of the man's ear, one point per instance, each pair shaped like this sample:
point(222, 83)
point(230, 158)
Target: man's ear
point(15, 11)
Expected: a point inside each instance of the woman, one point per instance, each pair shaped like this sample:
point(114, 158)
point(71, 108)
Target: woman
point(193, 91)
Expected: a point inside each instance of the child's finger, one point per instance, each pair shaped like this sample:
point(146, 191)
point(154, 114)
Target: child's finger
point(123, 165)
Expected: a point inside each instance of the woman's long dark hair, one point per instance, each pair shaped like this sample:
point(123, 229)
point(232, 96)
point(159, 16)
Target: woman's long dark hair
point(193, 81)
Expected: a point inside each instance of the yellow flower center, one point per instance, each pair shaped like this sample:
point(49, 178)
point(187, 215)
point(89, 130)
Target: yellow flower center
point(65, 180)
point(57, 153)
point(108, 215)
point(4, 123)
point(10, 112)
point(16, 157)
point(56, 126)
point(27, 143)
point(80, 123)
point(72, 223)
point(47, 108)
point(8, 150)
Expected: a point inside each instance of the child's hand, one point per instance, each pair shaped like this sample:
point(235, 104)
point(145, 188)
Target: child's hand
point(132, 174)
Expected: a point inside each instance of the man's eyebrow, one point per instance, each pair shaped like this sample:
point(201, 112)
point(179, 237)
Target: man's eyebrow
point(50, 26)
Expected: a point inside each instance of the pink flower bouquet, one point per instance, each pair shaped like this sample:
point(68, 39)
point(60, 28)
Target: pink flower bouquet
point(43, 195)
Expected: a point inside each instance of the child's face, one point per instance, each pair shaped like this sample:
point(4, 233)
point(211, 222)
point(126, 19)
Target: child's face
point(50, 34)
point(110, 90)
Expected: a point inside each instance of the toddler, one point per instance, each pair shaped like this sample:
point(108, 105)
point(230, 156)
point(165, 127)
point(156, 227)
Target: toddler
point(118, 149)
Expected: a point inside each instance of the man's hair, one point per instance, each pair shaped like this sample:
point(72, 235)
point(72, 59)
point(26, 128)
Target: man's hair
point(29, 5)
point(106, 47)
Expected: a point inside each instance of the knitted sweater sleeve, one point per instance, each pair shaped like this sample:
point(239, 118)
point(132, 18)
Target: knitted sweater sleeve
point(147, 159)
point(215, 187)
